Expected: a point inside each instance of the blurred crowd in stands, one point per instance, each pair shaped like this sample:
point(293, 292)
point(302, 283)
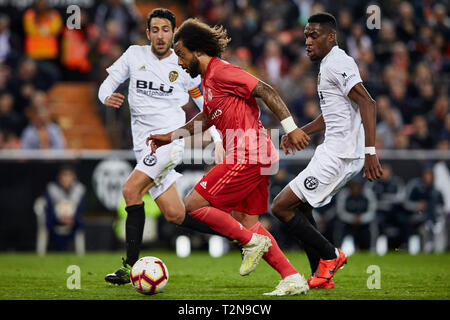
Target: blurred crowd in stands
point(405, 65)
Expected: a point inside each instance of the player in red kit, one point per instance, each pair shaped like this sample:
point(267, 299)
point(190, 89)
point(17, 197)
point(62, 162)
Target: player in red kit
point(240, 183)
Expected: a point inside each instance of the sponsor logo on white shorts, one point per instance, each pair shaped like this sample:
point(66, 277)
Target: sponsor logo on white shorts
point(149, 160)
point(311, 183)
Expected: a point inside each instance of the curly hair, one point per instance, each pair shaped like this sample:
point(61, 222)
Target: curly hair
point(198, 36)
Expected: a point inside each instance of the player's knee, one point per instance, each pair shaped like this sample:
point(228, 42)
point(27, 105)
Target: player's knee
point(194, 201)
point(174, 215)
point(248, 221)
point(190, 203)
point(130, 194)
point(277, 209)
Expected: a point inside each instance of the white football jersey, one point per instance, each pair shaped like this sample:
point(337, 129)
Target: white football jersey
point(157, 91)
point(344, 135)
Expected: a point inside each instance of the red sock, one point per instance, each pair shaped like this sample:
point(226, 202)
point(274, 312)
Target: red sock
point(275, 257)
point(223, 223)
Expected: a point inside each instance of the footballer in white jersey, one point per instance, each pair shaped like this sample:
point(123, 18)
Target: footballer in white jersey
point(158, 89)
point(348, 119)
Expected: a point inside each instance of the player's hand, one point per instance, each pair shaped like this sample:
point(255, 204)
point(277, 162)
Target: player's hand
point(298, 140)
point(286, 145)
point(158, 140)
point(372, 167)
point(219, 153)
point(115, 100)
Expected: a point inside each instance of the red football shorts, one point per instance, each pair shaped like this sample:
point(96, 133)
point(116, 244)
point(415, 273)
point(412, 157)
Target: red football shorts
point(239, 187)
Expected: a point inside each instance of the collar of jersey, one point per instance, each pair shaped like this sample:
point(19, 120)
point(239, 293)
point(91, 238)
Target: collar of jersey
point(168, 57)
point(208, 68)
point(335, 48)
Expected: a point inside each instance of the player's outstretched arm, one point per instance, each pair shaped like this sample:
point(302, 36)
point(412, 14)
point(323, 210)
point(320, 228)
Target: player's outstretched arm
point(317, 125)
point(200, 121)
point(298, 139)
point(367, 107)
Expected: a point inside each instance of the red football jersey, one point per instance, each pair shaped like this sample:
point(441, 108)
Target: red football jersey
point(229, 105)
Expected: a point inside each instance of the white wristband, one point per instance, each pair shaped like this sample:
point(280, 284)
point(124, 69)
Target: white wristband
point(288, 125)
point(369, 150)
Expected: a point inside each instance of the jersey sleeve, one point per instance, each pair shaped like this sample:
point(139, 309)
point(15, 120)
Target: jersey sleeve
point(120, 69)
point(196, 91)
point(237, 81)
point(345, 75)
point(194, 88)
point(118, 73)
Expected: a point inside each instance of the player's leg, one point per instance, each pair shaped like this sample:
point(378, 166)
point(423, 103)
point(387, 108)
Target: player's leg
point(284, 207)
point(134, 189)
point(137, 184)
point(292, 282)
point(200, 209)
point(274, 257)
point(149, 169)
point(254, 245)
point(247, 212)
point(172, 207)
point(311, 253)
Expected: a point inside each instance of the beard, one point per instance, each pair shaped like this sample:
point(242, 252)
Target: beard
point(160, 53)
point(194, 67)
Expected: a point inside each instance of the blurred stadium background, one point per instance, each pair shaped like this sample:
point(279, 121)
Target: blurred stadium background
point(54, 131)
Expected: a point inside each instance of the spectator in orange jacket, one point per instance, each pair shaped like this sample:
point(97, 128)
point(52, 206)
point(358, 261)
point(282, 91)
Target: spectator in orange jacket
point(42, 27)
point(76, 49)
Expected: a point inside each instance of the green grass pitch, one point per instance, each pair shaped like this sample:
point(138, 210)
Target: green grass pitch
point(25, 276)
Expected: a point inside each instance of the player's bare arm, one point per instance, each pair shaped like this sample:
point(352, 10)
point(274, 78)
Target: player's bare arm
point(158, 140)
point(298, 138)
point(367, 107)
point(115, 100)
point(317, 125)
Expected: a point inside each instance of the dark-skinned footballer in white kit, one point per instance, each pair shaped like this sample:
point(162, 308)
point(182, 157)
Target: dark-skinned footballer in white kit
point(348, 119)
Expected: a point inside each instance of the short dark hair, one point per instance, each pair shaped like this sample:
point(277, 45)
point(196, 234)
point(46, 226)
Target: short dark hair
point(198, 36)
point(67, 167)
point(164, 14)
point(324, 18)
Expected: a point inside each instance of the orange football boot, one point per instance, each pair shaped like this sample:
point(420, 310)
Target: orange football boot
point(327, 285)
point(327, 269)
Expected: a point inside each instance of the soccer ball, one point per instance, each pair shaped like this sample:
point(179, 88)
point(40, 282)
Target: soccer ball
point(149, 275)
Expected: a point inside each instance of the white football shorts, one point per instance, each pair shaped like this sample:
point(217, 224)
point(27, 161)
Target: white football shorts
point(324, 176)
point(160, 166)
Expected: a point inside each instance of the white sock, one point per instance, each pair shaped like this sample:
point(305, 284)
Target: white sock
point(293, 277)
point(252, 240)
